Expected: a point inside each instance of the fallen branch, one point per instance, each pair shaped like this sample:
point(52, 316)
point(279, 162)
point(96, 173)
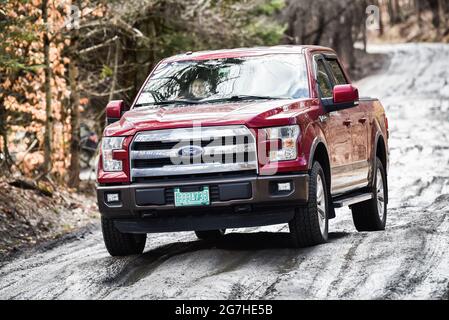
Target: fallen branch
point(26, 152)
point(99, 46)
point(27, 185)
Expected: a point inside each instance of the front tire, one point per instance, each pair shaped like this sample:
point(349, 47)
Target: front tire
point(310, 225)
point(211, 234)
point(121, 244)
point(371, 215)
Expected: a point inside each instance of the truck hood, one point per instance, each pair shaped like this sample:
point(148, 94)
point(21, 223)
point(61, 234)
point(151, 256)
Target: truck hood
point(252, 114)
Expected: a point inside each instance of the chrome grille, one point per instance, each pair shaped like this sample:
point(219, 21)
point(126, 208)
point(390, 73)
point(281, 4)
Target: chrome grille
point(162, 153)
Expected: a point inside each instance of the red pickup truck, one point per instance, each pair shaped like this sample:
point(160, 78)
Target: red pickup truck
point(241, 138)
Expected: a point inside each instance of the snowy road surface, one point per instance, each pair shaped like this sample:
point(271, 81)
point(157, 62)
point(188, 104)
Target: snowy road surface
point(409, 260)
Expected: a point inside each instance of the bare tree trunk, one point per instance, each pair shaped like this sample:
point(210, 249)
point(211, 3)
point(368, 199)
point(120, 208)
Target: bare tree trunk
point(290, 32)
point(397, 11)
point(380, 5)
point(442, 15)
point(364, 37)
point(6, 161)
point(434, 7)
point(47, 87)
point(101, 119)
point(381, 23)
point(115, 71)
point(393, 11)
point(320, 30)
point(418, 8)
point(74, 169)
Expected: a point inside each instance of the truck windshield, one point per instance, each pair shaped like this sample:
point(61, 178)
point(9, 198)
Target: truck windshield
point(277, 76)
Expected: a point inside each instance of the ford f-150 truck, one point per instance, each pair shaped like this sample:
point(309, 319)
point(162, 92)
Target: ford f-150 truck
point(241, 138)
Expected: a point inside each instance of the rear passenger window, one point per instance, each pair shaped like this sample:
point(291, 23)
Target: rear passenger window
point(337, 72)
point(323, 80)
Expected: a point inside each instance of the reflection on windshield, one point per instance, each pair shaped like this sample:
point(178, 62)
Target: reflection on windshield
point(268, 76)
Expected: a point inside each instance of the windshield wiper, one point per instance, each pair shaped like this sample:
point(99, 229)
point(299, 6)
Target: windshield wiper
point(164, 103)
point(190, 102)
point(243, 98)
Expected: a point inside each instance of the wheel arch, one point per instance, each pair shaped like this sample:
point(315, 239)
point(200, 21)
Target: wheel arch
point(381, 152)
point(319, 152)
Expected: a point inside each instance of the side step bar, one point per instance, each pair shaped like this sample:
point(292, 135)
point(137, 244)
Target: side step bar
point(351, 199)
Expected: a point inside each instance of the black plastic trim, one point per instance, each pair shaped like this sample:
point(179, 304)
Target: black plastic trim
point(154, 196)
point(204, 222)
point(235, 191)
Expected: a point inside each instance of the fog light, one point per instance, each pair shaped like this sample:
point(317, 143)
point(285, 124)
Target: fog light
point(284, 186)
point(112, 197)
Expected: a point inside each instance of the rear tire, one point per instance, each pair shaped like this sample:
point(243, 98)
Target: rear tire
point(310, 225)
point(371, 215)
point(121, 244)
point(210, 235)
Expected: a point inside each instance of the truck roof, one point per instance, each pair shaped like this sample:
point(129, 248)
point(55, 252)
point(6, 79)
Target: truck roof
point(244, 52)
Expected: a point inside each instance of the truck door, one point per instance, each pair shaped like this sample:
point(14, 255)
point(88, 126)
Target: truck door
point(337, 129)
point(359, 131)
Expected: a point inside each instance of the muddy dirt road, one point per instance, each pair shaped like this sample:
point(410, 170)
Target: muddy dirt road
point(409, 260)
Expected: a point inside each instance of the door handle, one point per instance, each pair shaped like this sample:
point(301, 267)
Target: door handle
point(363, 120)
point(347, 123)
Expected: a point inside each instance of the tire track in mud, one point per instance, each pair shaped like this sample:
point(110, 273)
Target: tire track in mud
point(437, 250)
point(305, 266)
point(281, 265)
point(231, 256)
point(142, 266)
point(419, 266)
point(347, 264)
point(288, 270)
point(268, 288)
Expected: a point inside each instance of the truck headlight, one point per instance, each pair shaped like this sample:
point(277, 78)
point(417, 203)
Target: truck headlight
point(108, 145)
point(288, 146)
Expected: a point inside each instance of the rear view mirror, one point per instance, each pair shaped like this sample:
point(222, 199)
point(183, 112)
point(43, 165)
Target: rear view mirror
point(114, 111)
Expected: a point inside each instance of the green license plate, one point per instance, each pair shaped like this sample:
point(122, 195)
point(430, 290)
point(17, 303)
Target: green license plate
point(190, 199)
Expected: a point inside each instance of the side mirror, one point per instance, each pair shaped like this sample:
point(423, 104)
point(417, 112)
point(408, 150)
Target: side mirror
point(344, 97)
point(346, 93)
point(114, 111)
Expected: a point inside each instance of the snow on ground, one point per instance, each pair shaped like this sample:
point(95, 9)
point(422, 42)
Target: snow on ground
point(408, 261)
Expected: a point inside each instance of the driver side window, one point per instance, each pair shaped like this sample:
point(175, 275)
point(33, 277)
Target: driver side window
point(337, 72)
point(324, 83)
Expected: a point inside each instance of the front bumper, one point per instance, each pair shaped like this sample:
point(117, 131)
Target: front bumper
point(236, 202)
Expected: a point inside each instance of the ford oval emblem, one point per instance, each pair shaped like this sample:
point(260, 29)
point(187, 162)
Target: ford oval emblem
point(191, 151)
